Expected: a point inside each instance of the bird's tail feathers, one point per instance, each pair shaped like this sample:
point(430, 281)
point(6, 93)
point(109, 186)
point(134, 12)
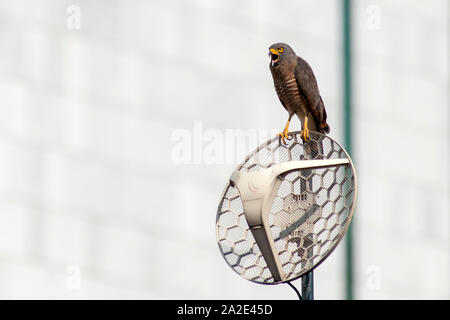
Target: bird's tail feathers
point(324, 127)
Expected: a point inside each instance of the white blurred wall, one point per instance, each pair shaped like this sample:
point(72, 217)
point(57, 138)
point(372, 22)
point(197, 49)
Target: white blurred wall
point(402, 149)
point(92, 204)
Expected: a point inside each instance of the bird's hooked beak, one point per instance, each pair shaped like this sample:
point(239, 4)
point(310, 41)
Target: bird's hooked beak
point(274, 57)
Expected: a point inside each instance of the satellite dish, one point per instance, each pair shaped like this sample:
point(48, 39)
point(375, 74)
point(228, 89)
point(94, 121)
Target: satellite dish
point(285, 208)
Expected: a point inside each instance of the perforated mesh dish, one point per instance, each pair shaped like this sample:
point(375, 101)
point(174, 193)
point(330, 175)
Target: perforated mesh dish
point(309, 214)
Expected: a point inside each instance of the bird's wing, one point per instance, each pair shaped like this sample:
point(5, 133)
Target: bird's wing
point(307, 85)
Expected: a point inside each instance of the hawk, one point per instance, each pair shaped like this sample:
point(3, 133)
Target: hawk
point(297, 90)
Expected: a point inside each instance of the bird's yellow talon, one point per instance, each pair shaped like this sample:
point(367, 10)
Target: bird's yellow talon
point(304, 134)
point(284, 135)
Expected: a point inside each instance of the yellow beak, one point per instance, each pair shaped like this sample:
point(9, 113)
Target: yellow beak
point(276, 54)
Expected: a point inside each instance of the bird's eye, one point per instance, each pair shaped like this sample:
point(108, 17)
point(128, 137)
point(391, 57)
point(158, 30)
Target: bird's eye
point(280, 49)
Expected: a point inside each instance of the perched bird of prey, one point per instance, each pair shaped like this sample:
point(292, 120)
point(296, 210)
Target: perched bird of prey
point(297, 90)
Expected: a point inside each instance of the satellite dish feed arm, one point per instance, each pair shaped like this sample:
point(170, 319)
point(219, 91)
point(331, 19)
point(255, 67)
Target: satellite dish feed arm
point(258, 191)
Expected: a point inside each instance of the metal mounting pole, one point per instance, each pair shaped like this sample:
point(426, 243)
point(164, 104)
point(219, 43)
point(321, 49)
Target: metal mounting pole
point(308, 286)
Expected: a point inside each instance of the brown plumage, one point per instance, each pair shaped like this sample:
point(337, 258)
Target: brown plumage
point(297, 90)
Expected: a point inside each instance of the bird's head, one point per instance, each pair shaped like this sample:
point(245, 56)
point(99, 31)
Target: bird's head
point(280, 52)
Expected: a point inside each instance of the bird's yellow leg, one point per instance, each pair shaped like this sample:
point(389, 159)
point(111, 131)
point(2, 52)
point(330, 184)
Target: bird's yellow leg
point(285, 133)
point(304, 134)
